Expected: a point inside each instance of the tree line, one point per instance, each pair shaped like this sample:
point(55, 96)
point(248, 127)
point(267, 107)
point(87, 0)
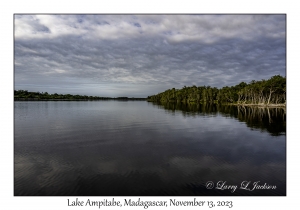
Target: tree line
point(26, 95)
point(263, 92)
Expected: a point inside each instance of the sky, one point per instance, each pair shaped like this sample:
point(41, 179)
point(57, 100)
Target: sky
point(142, 55)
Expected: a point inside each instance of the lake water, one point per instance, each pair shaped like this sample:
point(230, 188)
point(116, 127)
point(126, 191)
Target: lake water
point(136, 148)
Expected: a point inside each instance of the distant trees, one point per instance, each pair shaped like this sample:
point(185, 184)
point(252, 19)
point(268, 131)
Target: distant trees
point(26, 95)
point(271, 91)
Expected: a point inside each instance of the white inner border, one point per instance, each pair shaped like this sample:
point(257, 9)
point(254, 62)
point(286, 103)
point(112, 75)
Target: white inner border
point(8, 8)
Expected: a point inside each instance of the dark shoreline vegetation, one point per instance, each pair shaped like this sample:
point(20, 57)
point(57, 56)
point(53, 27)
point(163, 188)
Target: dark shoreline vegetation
point(271, 92)
point(24, 95)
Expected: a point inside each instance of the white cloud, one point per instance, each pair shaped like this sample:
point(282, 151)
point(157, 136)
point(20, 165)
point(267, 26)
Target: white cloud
point(175, 28)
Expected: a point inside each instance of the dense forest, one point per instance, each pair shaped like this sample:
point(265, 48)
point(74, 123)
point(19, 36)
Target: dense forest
point(263, 92)
point(26, 95)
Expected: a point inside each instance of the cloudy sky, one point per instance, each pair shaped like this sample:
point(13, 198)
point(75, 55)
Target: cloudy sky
point(141, 55)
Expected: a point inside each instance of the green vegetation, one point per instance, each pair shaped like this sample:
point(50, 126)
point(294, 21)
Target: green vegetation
point(264, 92)
point(25, 95)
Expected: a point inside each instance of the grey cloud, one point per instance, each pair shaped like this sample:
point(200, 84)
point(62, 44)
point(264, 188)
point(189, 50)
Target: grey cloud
point(147, 54)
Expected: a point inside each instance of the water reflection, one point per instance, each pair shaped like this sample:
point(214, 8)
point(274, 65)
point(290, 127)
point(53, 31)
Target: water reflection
point(272, 120)
point(139, 148)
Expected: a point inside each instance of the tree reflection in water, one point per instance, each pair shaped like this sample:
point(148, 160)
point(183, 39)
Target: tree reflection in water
point(272, 120)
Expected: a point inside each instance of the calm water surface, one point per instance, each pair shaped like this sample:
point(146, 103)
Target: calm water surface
point(140, 148)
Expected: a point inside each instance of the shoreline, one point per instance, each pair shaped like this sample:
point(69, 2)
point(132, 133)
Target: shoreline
point(262, 105)
point(232, 104)
point(110, 99)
